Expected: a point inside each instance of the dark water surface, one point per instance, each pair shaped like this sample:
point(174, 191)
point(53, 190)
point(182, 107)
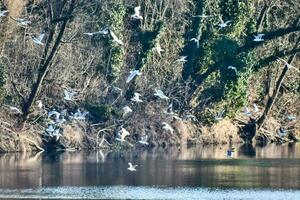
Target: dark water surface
point(271, 172)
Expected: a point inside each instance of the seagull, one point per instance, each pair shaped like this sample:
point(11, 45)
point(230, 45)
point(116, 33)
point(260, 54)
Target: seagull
point(158, 49)
point(126, 110)
point(222, 23)
point(167, 127)
point(258, 38)
point(220, 115)
point(291, 117)
point(23, 22)
point(54, 113)
point(69, 96)
point(122, 134)
point(38, 40)
point(104, 31)
point(203, 16)
point(3, 13)
point(136, 97)
point(143, 140)
point(182, 59)
point(131, 167)
point(137, 13)
point(247, 112)
point(50, 129)
point(196, 41)
point(115, 39)
point(233, 68)
point(160, 94)
point(79, 115)
point(256, 110)
point(39, 104)
point(133, 74)
point(282, 132)
point(288, 65)
point(14, 109)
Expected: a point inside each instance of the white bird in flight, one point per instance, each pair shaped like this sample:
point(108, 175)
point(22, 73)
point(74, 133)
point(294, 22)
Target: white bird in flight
point(288, 65)
point(69, 95)
point(122, 134)
point(160, 94)
point(256, 109)
point(132, 167)
point(182, 59)
point(144, 140)
point(38, 40)
point(115, 39)
point(247, 112)
point(137, 13)
point(233, 68)
point(133, 74)
point(167, 127)
point(158, 49)
point(3, 13)
point(258, 37)
point(196, 41)
point(126, 110)
point(220, 115)
point(54, 113)
point(136, 97)
point(203, 16)
point(103, 31)
point(222, 23)
point(23, 22)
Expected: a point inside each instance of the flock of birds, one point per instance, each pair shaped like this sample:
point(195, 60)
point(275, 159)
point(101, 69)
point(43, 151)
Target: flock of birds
point(58, 118)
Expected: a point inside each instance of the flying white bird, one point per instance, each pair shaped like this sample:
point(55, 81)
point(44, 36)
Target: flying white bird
point(282, 132)
point(291, 117)
point(258, 38)
point(203, 16)
point(233, 68)
point(256, 109)
point(133, 74)
point(39, 104)
point(160, 94)
point(131, 167)
point(136, 97)
point(288, 65)
point(91, 33)
point(126, 110)
point(38, 40)
point(13, 109)
point(247, 112)
point(3, 13)
point(182, 59)
point(167, 127)
point(222, 23)
point(144, 140)
point(23, 22)
point(50, 129)
point(69, 95)
point(137, 13)
point(103, 31)
point(220, 115)
point(158, 49)
point(115, 39)
point(196, 41)
point(79, 115)
point(122, 134)
point(54, 113)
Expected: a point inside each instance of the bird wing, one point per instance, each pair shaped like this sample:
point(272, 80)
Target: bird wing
point(221, 19)
point(130, 77)
point(115, 38)
point(137, 10)
point(41, 37)
point(130, 165)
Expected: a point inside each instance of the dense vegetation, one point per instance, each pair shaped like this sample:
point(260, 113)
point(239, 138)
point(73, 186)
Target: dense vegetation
point(204, 90)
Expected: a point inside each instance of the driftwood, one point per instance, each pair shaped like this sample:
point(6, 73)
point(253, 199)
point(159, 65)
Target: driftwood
point(33, 142)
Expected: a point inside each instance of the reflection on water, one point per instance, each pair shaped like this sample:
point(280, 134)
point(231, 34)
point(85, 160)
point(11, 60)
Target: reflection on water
point(268, 167)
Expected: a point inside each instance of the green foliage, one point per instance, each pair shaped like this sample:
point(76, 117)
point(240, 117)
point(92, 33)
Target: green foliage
point(100, 112)
point(115, 19)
